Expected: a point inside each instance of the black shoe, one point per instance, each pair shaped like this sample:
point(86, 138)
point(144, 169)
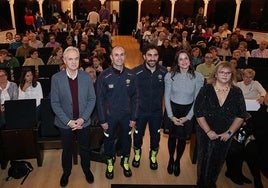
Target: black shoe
point(177, 168)
point(126, 170)
point(136, 158)
point(109, 174)
point(110, 169)
point(89, 177)
point(135, 163)
point(236, 180)
point(246, 180)
point(170, 167)
point(64, 180)
point(153, 161)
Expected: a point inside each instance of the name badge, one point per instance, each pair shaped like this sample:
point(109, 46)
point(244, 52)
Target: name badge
point(111, 86)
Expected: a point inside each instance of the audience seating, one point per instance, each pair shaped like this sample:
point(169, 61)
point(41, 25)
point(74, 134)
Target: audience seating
point(48, 133)
point(21, 60)
point(47, 71)
point(4, 46)
point(12, 51)
point(46, 86)
point(44, 53)
point(260, 65)
point(19, 136)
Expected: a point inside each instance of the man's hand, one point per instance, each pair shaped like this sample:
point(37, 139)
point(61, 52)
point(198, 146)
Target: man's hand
point(132, 123)
point(105, 126)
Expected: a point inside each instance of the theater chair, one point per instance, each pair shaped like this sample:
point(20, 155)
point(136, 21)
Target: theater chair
point(48, 133)
point(19, 136)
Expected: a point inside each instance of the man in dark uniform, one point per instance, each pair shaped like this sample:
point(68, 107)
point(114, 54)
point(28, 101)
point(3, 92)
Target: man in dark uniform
point(117, 102)
point(150, 76)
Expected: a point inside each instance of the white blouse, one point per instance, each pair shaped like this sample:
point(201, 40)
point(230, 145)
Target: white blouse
point(32, 93)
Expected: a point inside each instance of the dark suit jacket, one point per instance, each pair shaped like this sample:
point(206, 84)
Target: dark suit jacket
point(61, 99)
point(117, 18)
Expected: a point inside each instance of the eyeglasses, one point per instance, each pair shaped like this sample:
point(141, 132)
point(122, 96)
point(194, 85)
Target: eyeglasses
point(224, 73)
point(208, 57)
point(2, 75)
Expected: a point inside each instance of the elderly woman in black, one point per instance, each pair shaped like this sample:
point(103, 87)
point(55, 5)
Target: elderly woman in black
point(220, 110)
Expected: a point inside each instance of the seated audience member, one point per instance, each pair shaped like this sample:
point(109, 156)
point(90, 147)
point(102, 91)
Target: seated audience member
point(233, 41)
point(207, 67)
point(56, 57)
point(238, 33)
point(208, 36)
point(251, 139)
point(7, 60)
point(68, 42)
point(77, 37)
point(216, 42)
point(33, 42)
point(29, 87)
point(224, 49)
point(243, 47)
point(252, 43)
point(197, 34)
point(8, 91)
point(33, 60)
point(98, 47)
point(262, 51)
point(92, 73)
point(17, 43)
point(196, 56)
point(214, 52)
point(97, 64)
point(167, 54)
point(239, 72)
point(160, 39)
point(174, 42)
point(60, 25)
point(52, 41)
point(9, 37)
point(241, 61)
point(220, 33)
point(104, 40)
point(24, 49)
point(84, 53)
point(226, 31)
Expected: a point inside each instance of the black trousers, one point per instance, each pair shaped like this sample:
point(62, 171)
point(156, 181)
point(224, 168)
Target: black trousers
point(68, 138)
point(237, 153)
point(210, 159)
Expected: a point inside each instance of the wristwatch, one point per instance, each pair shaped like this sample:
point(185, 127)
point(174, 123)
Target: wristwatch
point(230, 133)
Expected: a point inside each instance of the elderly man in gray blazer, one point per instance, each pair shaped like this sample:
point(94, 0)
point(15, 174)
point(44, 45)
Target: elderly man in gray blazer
point(73, 99)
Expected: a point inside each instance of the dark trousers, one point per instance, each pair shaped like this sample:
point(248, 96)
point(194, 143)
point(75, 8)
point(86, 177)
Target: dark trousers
point(237, 153)
point(68, 138)
point(120, 122)
point(154, 128)
point(235, 158)
point(210, 159)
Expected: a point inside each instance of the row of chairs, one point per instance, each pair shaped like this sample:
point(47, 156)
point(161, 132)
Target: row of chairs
point(27, 133)
point(24, 136)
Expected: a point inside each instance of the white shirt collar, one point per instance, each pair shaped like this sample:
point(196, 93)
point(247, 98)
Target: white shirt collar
point(74, 77)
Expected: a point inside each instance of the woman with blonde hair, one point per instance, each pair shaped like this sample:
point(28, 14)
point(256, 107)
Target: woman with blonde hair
point(220, 110)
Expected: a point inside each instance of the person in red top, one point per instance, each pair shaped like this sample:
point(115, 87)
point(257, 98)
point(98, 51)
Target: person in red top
point(29, 21)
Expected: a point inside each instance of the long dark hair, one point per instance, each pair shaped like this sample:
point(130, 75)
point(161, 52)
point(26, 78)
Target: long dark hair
point(176, 68)
point(22, 77)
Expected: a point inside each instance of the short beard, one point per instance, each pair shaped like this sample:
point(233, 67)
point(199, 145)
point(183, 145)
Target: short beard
point(147, 62)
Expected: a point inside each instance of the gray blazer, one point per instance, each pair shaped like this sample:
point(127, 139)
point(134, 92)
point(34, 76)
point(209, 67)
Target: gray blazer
point(61, 99)
point(12, 91)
